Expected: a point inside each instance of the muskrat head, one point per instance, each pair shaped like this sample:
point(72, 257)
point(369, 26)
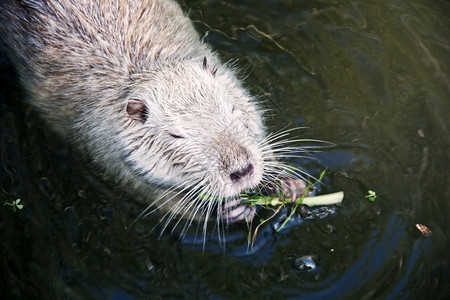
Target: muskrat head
point(191, 126)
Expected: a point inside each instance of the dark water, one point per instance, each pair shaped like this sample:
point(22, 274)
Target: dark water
point(370, 76)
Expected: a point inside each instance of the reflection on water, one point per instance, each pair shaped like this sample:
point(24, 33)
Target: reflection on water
point(369, 76)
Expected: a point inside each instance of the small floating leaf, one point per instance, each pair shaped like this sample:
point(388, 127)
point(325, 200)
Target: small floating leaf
point(14, 205)
point(371, 195)
point(424, 230)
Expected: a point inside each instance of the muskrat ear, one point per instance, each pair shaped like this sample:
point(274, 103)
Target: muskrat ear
point(206, 67)
point(137, 110)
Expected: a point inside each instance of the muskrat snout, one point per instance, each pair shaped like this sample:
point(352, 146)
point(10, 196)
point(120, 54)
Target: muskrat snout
point(238, 175)
point(240, 165)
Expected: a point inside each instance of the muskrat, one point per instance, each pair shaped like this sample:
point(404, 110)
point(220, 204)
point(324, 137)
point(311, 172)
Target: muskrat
point(131, 84)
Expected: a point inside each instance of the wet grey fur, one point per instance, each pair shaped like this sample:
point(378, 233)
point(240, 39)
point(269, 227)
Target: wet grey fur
point(131, 84)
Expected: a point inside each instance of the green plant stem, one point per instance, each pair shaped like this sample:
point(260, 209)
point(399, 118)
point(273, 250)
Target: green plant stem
point(327, 199)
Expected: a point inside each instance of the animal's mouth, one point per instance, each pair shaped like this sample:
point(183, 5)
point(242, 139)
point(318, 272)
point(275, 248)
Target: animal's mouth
point(226, 179)
point(242, 180)
point(237, 185)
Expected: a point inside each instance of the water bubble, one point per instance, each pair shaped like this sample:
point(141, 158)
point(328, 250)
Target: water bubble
point(305, 263)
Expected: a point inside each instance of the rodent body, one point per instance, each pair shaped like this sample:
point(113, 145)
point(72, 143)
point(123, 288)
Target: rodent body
point(131, 84)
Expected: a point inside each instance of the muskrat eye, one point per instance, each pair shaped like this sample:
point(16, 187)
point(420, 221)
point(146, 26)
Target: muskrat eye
point(176, 136)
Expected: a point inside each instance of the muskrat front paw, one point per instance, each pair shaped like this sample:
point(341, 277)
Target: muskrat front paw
point(291, 188)
point(235, 211)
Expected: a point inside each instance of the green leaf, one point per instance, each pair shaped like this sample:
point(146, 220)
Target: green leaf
point(371, 196)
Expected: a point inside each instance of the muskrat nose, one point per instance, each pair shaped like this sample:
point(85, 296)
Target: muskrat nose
point(237, 175)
